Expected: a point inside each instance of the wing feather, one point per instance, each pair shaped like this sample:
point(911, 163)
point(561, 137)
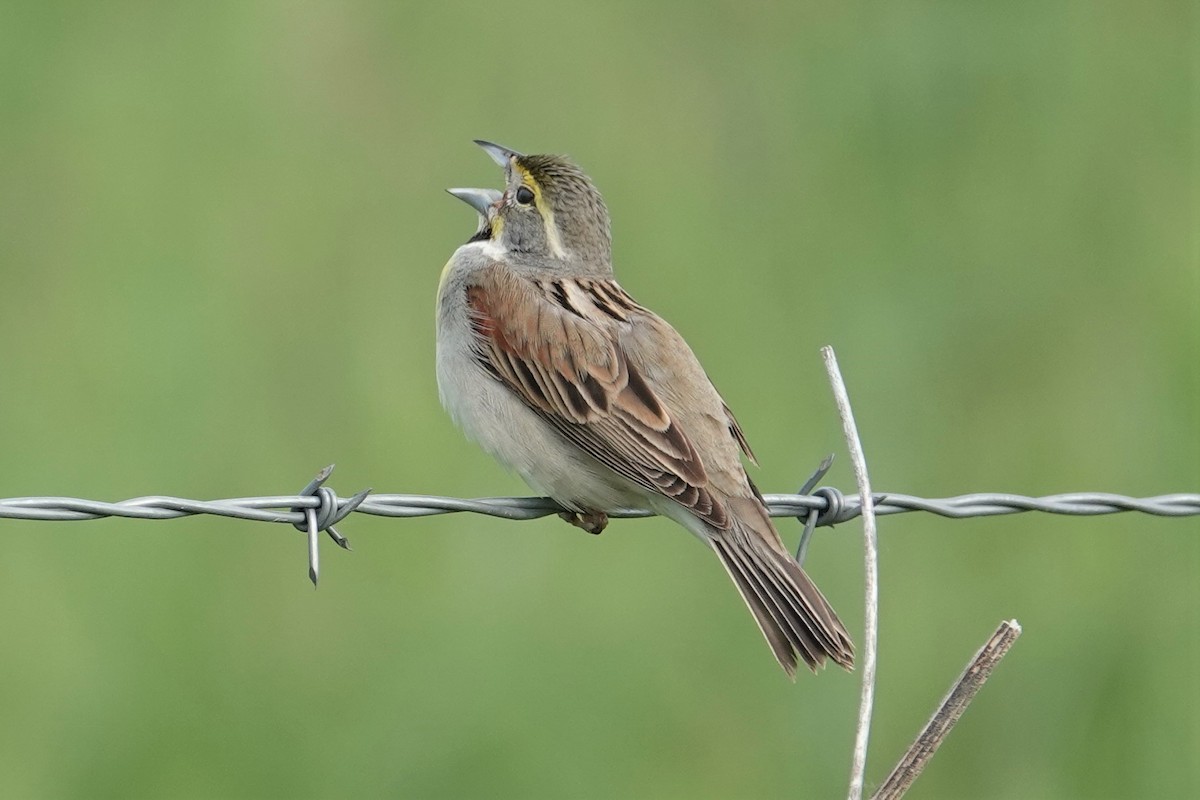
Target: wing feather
point(566, 363)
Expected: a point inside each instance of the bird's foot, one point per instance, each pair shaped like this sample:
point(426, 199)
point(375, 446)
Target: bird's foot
point(590, 521)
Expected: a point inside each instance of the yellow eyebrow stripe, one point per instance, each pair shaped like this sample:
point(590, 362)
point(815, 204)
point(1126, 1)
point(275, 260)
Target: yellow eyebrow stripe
point(553, 237)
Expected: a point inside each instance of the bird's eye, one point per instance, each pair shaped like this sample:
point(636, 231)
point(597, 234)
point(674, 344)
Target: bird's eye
point(524, 195)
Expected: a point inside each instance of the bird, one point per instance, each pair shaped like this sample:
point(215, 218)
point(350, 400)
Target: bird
point(597, 402)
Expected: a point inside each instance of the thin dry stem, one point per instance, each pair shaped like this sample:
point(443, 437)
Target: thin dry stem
point(952, 707)
point(858, 767)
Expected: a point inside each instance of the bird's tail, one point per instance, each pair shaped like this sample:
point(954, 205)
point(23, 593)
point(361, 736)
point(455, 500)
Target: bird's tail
point(793, 615)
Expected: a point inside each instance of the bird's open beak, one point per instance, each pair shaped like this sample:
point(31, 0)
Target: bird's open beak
point(479, 199)
point(500, 154)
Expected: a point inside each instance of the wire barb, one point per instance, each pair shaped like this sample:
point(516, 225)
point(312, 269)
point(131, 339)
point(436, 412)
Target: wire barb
point(323, 516)
point(814, 514)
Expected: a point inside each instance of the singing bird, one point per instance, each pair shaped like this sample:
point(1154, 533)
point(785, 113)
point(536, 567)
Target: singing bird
point(595, 401)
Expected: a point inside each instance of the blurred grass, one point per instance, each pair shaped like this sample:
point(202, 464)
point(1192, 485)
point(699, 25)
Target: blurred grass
point(221, 227)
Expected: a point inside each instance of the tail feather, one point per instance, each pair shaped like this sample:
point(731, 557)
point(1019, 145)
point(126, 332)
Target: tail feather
point(774, 632)
point(795, 618)
point(774, 619)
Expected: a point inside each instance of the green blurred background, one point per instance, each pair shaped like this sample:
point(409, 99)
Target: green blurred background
point(221, 229)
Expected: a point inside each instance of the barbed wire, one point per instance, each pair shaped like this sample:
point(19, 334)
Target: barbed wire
point(832, 507)
point(317, 507)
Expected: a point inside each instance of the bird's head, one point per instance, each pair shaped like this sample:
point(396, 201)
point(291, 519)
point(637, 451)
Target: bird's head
point(549, 209)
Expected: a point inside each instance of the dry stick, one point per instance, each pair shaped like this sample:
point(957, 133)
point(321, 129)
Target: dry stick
point(952, 707)
point(858, 767)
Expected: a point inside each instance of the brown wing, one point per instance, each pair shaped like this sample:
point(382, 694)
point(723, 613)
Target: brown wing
point(554, 344)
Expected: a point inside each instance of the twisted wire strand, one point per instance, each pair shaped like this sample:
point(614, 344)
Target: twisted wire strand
point(831, 505)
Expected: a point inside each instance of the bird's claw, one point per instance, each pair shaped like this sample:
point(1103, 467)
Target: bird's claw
point(591, 521)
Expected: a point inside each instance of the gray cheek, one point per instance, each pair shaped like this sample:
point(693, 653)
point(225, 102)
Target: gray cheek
point(527, 235)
